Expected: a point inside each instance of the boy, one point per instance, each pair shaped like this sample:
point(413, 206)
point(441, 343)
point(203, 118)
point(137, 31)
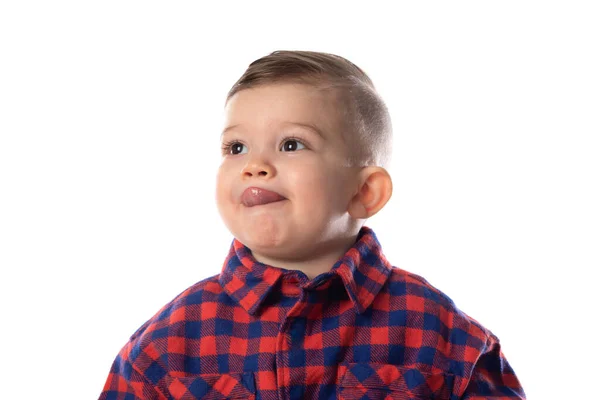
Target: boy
point(306, 305)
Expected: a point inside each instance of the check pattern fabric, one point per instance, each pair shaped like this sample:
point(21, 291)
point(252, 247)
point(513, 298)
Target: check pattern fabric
point(363, 330)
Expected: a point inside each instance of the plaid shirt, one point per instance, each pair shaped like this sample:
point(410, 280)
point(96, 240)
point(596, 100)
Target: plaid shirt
point(363, 330)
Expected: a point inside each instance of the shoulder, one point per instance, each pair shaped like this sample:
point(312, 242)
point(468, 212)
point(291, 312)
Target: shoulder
point(438, 311)
point(179, 314)
point(205, 292)
point(435, 334)
point(145, 359)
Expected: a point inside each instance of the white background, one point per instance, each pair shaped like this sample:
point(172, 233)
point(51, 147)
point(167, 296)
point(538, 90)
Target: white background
point(110, 115)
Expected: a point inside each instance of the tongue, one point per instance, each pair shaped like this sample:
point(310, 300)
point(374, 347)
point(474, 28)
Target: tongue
point(254, 197)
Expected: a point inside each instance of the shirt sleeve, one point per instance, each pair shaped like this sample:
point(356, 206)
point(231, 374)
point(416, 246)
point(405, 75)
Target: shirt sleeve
point(124, 382)
point(493, 377)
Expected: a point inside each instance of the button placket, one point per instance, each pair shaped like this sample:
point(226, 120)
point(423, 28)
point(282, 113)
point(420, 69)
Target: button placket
point(285, 345)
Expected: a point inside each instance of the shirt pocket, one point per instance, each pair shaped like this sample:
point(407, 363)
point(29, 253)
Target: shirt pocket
point(376, 381)
point(212, 386)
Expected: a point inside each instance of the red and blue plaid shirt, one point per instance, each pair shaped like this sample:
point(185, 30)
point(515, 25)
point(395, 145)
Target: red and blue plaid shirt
point(363, 330)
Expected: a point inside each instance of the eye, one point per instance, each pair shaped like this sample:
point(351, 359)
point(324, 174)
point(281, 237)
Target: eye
point(291, 144)
point(233, 148)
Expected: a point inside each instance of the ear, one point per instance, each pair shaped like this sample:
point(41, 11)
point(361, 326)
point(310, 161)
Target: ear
point(375, 189)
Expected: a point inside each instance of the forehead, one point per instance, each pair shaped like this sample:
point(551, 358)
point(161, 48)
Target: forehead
point(283, 104)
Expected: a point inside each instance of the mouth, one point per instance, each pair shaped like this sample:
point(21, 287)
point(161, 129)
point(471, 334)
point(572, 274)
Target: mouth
point(255, 196)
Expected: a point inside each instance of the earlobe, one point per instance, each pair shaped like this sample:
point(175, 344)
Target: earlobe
point(374, 192)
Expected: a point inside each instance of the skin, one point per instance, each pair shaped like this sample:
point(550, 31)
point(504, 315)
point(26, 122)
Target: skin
point(327, 202)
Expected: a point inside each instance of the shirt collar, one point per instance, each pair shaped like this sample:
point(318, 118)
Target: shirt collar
point(363, 270)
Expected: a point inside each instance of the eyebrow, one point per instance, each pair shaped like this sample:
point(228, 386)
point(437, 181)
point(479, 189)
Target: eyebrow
point(308, 126)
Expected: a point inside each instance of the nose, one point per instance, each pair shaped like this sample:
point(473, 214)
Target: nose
point(258, 168)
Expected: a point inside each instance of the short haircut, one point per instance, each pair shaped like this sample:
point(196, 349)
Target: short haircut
point(363, 111)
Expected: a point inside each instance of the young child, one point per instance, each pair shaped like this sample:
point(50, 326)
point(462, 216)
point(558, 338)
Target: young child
point(306, 305)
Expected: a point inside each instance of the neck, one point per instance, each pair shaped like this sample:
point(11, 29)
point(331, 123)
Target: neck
point(321, 262)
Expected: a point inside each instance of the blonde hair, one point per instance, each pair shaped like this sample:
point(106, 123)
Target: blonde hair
point(363, 111)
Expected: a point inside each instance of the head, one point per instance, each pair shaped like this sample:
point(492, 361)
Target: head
point(311, 127)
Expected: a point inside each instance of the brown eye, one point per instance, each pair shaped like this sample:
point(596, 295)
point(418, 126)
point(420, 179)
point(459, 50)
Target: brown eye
point(236, 148)
point(292, 145)
point(233, 148)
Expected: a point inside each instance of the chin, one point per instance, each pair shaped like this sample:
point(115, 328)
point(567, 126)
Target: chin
point(263, 243)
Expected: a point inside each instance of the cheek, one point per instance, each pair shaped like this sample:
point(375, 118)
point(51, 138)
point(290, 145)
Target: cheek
point(222, 184)
point(311, 185)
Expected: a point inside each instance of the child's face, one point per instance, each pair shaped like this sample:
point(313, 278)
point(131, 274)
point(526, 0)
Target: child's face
point(309, 173)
